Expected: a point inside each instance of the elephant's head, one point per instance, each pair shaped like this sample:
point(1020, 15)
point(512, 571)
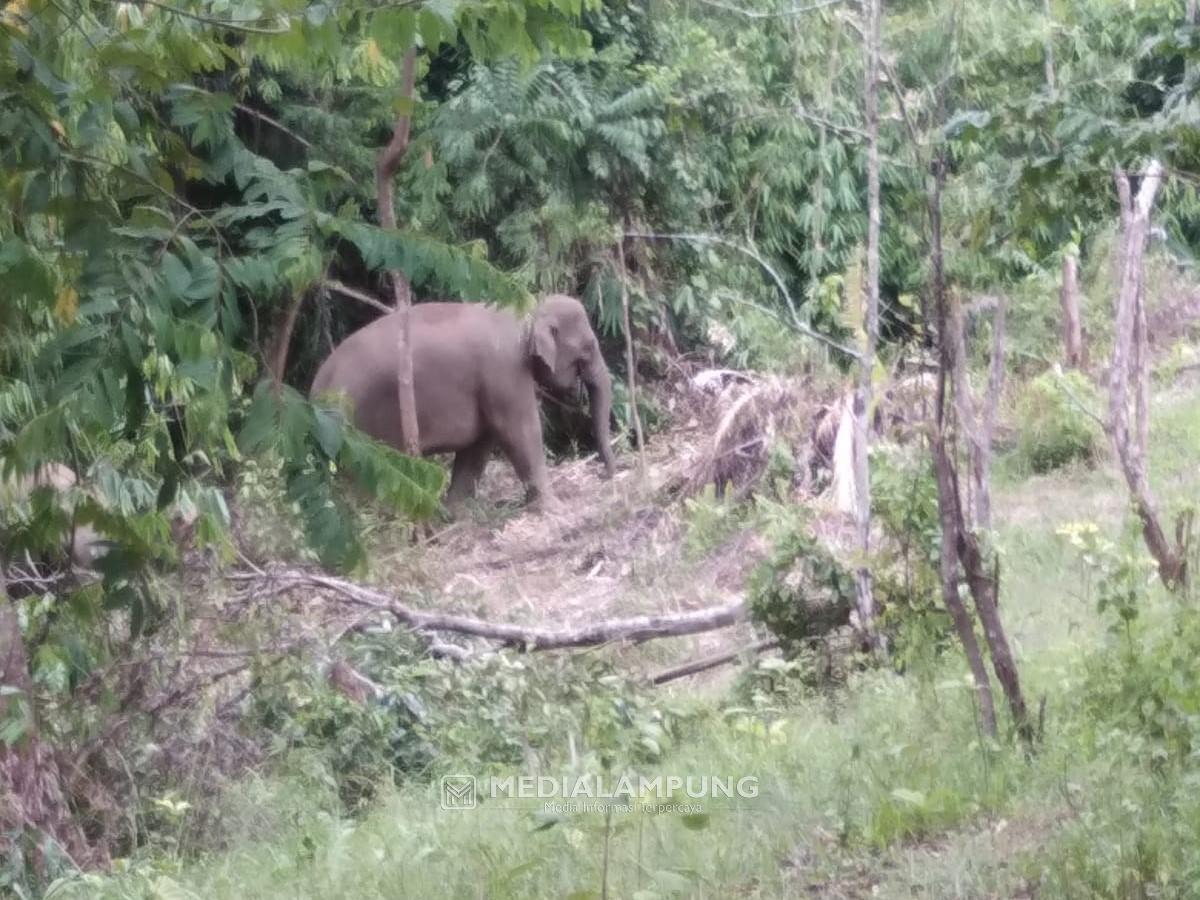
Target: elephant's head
point(564, 350)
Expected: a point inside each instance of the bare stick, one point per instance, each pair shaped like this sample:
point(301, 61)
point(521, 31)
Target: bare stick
point(274, 123)
point(630, 362)
point(636, 629)
point(355, 294)
point(711, 662)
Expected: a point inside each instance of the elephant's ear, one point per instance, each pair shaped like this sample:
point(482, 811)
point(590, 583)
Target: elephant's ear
point(542, 343)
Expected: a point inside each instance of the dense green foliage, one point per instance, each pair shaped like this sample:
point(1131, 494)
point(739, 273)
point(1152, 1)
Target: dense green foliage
point(1057, 428)
point(176, 179)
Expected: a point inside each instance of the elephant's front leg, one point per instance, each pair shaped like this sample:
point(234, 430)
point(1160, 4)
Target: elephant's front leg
point(469, 464)
point(521, 442)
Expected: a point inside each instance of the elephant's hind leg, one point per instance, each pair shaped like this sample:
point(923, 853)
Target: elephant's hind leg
point(469, 464)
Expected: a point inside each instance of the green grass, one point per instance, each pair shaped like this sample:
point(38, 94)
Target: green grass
point(885, 790)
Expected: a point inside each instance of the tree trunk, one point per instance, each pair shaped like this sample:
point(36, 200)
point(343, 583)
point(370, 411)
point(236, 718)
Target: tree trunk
point(978, 424)
point(1048, 47)
point(385, 171)
point(947, 478)
point(1072, 327)
point(963, 626)
point(282, 340)
point(630, 362)
point(862, 396)
point(1130, 363)
point(985, 589)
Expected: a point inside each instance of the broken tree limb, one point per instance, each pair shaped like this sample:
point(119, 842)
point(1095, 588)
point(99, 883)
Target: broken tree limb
point(711, 662)
point(1129, 372)
point(636, 629)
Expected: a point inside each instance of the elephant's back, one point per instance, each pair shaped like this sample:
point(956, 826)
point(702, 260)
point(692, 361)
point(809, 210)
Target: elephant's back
point(465, 320)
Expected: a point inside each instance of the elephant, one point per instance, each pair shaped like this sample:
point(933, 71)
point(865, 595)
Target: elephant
point(476, 370)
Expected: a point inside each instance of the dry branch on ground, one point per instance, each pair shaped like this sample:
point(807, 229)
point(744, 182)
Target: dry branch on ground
point(635, 629)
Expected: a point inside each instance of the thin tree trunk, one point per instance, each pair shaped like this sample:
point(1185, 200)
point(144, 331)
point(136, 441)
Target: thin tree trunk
point(985, 588)
point(283, 339)
point(964, 404)
point(970, 522)
point(1048, 46)
point(979, 424)
point(1130, 363)
point(862, 396)
point(963, 626)
point(385, 171)
point(630, 362)
point(949, 509)
point(1072, 327)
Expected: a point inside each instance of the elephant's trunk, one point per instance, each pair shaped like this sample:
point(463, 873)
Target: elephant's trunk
point(599, 388)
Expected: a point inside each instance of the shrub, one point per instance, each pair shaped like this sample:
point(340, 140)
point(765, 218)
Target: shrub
point(906, 564)
point(800, 591)
point(711, 520)
point(1054, 427)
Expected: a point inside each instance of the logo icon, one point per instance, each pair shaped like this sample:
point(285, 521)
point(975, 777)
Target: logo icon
point(458, 792)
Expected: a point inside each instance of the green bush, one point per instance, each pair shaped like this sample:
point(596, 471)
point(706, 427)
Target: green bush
point(1054, 426)
point(1139, 722)
point(800, 591)
point(710, 521)
point(906, 562)
point(502, 710)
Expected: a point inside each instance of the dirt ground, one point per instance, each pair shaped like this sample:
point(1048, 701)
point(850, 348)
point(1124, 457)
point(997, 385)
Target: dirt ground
point(612, 549)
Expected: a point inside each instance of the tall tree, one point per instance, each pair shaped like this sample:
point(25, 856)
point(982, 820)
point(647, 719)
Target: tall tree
point(389, 161)
point(866, 361)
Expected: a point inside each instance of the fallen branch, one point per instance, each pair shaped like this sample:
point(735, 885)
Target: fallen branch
point(636, 629)
point(711, 662)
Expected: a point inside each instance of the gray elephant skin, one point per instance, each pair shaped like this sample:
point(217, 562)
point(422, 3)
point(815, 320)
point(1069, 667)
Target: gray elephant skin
point(475, 375)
